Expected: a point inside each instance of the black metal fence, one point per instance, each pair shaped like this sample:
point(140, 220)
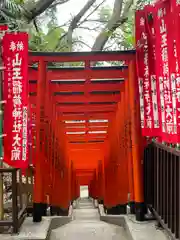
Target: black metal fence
point(14, 200)
point(162, 185)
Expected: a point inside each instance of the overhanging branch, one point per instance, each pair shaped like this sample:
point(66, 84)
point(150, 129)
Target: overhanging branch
point(82, 42)
point(90, 14)
point(40, 7)
point(116, 20)
point(58, 3)
point(75, 21)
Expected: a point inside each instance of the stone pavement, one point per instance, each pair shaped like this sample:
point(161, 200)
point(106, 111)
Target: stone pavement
point(86, 225)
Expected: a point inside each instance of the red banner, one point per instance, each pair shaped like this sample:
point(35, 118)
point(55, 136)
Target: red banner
point(174, 22)
point(151, 35)
point(15, 58)
point(143, 72)
point(163, 59)
point(158, 25)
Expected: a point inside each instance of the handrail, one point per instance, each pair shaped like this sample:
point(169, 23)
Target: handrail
point(166, 148)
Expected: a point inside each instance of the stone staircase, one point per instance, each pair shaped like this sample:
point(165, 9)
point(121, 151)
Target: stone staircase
point(86, 225)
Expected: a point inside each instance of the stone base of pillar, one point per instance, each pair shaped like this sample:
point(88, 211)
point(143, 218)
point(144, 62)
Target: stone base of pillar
point(116, 210)
point(140, 211)
point(38, 209)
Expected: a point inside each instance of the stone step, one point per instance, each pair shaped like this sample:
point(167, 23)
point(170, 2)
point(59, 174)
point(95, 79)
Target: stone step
point(88, 230)
point(86, 225)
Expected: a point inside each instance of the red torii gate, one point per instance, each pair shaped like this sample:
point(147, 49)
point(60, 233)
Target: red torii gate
point(76, 105)
point(93, 89)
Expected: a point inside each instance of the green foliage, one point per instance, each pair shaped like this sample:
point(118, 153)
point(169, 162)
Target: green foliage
point(13, 6)
point(19, 1)
point(50, 36)
point(105, 13)
point(122, 37)
point(11, 13)
point(141, 3)
point(51, 13)
point(39, 41)
point(46, 39)
point(128, 36)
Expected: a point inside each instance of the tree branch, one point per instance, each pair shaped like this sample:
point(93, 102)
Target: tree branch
point(75, 21)
point(95, 20)
point(116, 20)
point(95, 9)
point(59, 26)
point(36, 26)
point(8, 13)
point(36, 10)
point(82, 42)
point(76, 24)
point(87, 28)
point(60, 39)
point(40, 7)
point(58, 3)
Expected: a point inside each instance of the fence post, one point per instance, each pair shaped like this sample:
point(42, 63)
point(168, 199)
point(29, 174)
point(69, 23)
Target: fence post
point(14, 201)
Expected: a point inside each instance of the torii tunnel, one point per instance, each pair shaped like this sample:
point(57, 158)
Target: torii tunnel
point(86, 130)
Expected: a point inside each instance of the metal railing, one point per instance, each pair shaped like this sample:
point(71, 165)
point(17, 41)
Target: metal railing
point(15, 200)
point(162, 186)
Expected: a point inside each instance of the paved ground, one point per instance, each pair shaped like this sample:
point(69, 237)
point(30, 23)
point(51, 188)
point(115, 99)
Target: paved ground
point(87, 226)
